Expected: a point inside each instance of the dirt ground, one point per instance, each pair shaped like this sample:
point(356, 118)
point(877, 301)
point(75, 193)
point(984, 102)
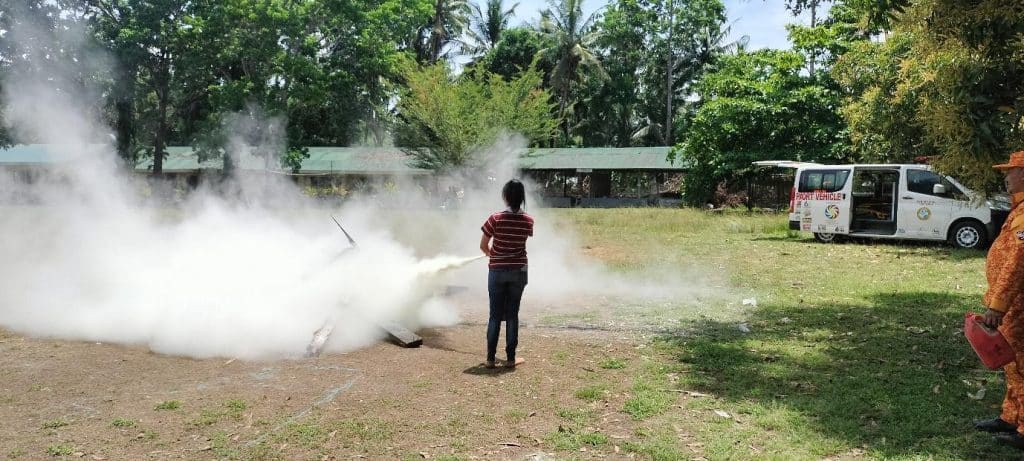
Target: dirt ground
point(103, 401)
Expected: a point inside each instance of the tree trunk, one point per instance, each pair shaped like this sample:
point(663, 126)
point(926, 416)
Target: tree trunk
point(437, 33)
point(124, 109)
point(565, 92)
point(814, 23)
point(163, 93)
point(668, 83)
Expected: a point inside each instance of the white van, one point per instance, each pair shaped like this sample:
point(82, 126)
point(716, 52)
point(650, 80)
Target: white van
point(889, 202)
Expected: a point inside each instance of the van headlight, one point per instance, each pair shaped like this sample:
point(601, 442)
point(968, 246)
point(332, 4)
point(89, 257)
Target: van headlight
point(997, 204)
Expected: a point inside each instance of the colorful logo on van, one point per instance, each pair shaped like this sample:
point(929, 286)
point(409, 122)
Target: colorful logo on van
point(832, 211)
point(924, 213)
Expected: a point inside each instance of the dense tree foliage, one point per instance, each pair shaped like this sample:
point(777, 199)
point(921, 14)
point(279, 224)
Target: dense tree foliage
point(963, 67)
point(445, 121)
point(516, 51)
point(941, 80)
point(640, 39)
point(865, 80)
point(758, 106)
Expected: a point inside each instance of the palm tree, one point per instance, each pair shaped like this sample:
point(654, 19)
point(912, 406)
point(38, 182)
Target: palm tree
point(446, 24)
point(572, 38)
point(486, 27)
point(709, 42)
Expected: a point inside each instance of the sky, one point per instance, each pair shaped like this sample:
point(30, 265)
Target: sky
point(764, 21)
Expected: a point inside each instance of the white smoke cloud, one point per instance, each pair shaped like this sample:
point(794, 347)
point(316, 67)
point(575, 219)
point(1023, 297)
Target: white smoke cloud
point(87, 260)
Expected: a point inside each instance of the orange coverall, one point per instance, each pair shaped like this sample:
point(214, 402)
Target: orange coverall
point(1004, 270)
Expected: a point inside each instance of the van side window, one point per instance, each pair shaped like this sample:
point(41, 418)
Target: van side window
point(823, 180)
point(924, 181)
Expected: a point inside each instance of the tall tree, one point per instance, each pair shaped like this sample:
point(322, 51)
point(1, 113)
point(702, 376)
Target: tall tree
point(610, 116)
point(487, 26)
point(518, 50)
point(572, 37)
point(966, 63)
point(446, 120)
point(947, 79)
point(880, 116)
point(757, 106)
point(690, 36)
point(643, 96)
point(447, 23)
point(147, 40)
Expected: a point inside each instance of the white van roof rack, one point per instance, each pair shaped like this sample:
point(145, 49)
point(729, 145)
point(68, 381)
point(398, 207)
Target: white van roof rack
point(783, 163)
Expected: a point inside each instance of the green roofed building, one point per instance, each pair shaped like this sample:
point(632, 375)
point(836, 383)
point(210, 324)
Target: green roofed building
point(604, 176)
point(567, 176)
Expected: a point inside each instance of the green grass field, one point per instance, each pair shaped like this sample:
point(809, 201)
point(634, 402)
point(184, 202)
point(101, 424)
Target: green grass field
point(854, 350)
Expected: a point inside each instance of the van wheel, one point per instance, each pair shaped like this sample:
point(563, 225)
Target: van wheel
point(968, 234)
point(824, 237)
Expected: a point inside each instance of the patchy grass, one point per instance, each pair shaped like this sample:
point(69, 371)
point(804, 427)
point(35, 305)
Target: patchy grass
point(592, 393)
point(366, 430)
point(168, 405)
point(516, 416)
point(647, 400)
point(234, 409)
point(656, 449)
point(16, 453)
point(123, 422)
point(221, 447)
point(305, 435)
point(580, 318)
point(55, 423)
point(852, 350)
point(612, 364)
point(207, 418)
point(60, 450)
point(576, 431)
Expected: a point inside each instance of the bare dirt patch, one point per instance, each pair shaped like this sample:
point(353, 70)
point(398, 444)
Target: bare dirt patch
point(103, 401)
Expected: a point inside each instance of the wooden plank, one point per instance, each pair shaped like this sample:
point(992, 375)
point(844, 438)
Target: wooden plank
point(402, 335)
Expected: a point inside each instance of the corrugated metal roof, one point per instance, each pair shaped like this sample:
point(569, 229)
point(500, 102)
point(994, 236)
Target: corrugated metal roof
point(358, 160)
point(33, 154)
point(598, 158)
point(322, 160)
point(365, 160)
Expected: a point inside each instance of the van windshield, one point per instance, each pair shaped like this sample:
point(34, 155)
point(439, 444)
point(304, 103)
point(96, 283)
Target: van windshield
point(823, 180)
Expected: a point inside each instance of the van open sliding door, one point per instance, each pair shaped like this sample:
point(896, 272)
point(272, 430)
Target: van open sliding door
point(874, 200)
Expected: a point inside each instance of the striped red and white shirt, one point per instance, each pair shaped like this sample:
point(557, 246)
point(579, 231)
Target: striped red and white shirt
point(509, 231)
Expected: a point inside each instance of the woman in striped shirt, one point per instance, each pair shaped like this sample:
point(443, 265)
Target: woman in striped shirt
point(504, 241)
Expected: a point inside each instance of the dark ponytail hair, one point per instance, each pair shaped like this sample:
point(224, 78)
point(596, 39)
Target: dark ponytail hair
point(515, 194)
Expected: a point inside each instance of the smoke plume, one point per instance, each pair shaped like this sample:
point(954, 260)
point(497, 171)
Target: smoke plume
point(82, 257)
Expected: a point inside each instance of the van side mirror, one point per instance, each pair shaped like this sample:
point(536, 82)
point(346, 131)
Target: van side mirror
point(939, 189)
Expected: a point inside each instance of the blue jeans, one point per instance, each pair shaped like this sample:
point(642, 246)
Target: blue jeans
point(505, 289)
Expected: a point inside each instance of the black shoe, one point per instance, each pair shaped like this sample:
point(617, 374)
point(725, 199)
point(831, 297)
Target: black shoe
point(995, 426)
point(1011, 440)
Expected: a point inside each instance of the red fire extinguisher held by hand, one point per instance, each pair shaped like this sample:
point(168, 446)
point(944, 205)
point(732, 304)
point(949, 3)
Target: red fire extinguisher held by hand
point(988, 343)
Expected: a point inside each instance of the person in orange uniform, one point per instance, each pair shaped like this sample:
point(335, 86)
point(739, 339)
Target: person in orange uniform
point(1004, 299)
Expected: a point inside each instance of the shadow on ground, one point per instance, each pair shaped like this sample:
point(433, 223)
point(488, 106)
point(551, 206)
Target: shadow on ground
point(891, 378)
point(480, 369)
point(939, 250)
